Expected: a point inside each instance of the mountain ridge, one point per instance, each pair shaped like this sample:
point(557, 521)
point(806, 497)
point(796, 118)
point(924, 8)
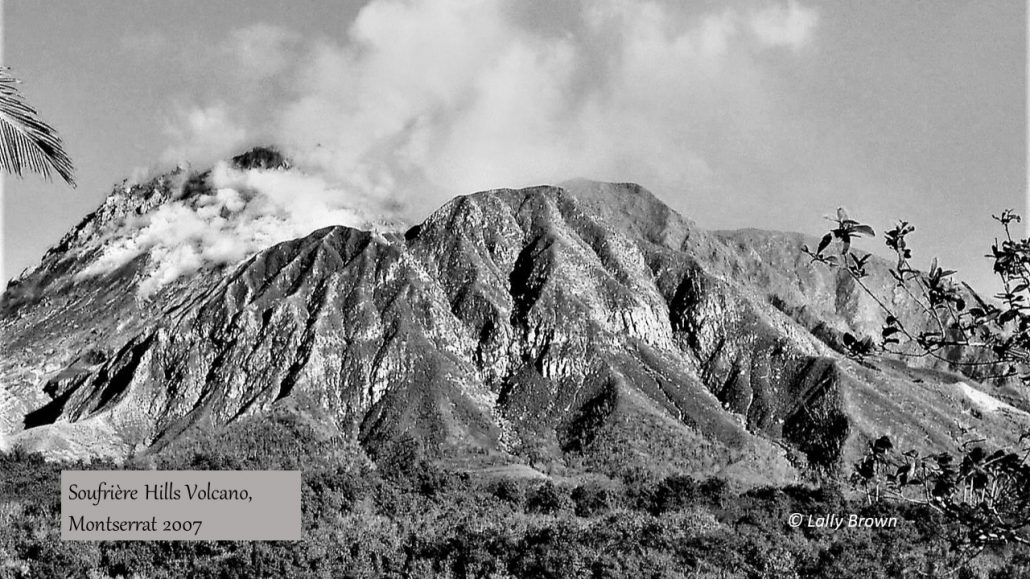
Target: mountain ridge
point(587, 326)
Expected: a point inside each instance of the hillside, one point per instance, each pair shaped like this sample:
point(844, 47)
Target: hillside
point(580, 328)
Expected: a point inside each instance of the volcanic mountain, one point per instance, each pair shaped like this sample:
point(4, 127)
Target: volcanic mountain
point(580, 327)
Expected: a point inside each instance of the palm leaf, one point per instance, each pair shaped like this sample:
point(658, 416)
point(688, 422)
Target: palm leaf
point(27, 143)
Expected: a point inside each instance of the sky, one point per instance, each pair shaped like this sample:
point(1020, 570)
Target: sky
point(755, 113)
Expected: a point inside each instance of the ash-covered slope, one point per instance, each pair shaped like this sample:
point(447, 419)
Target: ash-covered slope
point(588, 326)
point(57, 323)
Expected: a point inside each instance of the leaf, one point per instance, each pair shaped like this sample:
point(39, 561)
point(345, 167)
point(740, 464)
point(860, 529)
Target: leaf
point(882, 444)
point(27, 143)
point(866, 469)
point(824, 243)
point(842, 215)
point(863, 230)
point(943, 488)
point(977, 454)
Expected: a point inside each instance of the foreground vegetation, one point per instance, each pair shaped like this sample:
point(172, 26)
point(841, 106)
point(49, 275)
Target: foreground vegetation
point(406, 517)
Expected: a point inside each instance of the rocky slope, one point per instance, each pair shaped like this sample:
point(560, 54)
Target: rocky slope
point(582, 327)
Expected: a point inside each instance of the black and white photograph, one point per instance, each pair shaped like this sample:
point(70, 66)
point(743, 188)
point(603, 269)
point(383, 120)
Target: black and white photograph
point(514, 289)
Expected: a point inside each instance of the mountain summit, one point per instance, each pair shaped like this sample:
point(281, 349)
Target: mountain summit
point(586, 326)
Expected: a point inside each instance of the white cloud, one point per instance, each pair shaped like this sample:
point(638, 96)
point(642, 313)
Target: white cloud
point(453, 95)
point(787, 25)
point(202, 135)
point(446, 96)
point(261, 50)
point(420, 99)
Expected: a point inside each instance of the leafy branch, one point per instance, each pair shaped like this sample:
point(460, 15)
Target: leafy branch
point(1002, 333)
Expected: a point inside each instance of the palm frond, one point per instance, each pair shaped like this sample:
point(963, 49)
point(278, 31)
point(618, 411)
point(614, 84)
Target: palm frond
point(27, 143)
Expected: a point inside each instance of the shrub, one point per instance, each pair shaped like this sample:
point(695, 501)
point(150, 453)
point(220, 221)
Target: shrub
point(548, 499)
point(593, 498)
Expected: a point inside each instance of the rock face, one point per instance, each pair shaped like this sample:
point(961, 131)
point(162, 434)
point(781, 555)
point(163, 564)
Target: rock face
point(587, 326)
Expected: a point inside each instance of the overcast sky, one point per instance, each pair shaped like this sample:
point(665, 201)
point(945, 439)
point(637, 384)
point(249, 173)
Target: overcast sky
point(758, 113)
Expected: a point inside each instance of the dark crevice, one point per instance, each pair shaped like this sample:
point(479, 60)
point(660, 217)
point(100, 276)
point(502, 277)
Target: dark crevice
point(122, 377)
point(50, 412)
point(524, 290)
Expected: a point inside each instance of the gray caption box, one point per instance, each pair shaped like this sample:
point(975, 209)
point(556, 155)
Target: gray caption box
point(180, 505)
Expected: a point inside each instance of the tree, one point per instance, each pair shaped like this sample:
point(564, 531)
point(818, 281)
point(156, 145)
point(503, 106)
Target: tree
point(983, 496)
point(27, 143)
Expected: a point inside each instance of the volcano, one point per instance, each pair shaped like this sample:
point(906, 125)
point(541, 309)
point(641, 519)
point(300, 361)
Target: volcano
point(580, 327)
